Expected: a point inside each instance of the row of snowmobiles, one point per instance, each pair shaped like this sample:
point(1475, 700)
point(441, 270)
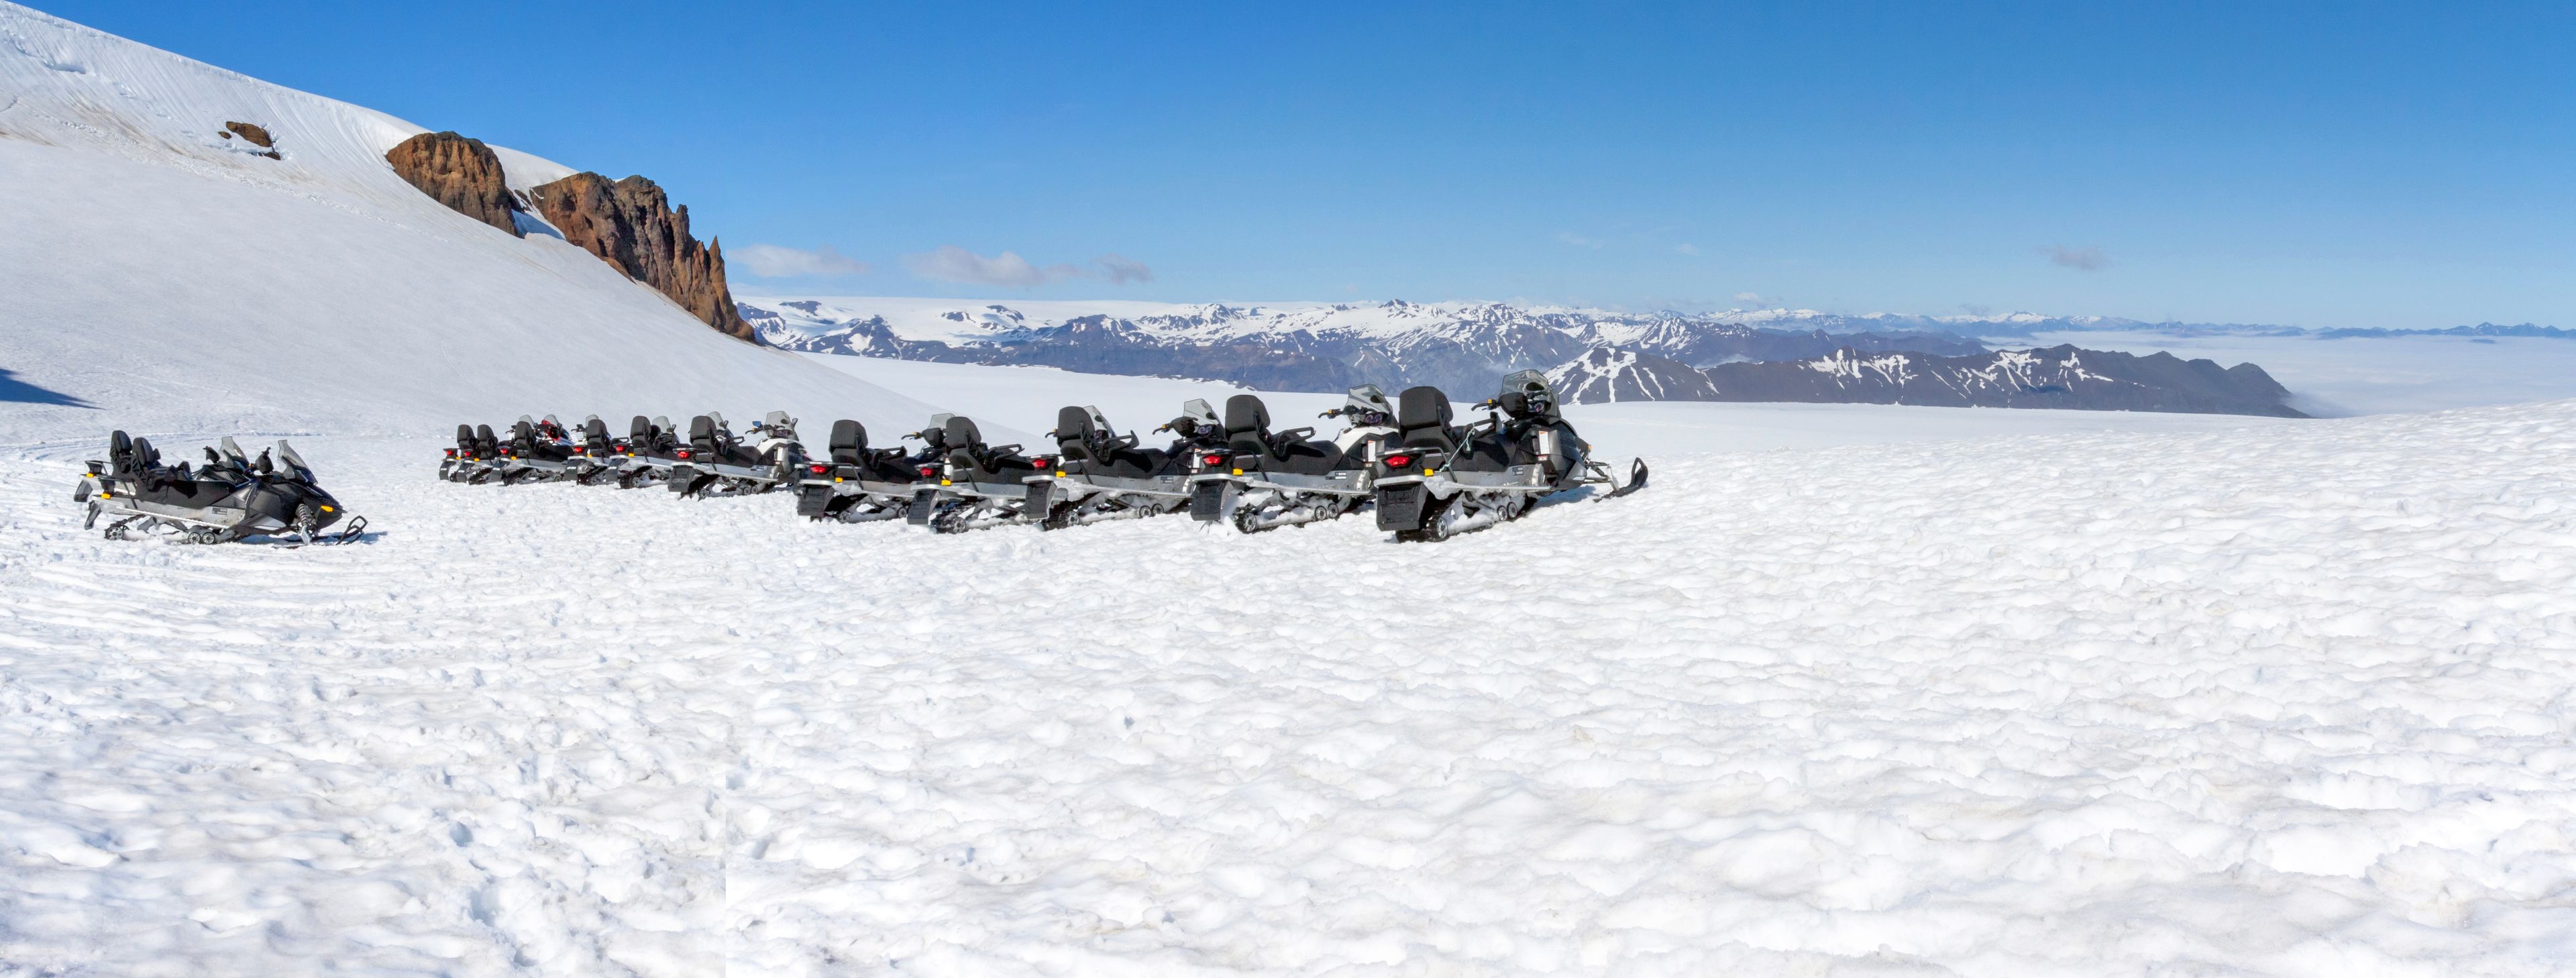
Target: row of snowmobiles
point(709, 460)
point(228, 497)
point(1427, 476)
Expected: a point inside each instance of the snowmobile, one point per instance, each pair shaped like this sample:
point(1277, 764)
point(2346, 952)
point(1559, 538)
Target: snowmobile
point(1272, 479)
point(229, 498)
point(716, 463)
point(1100, 475)
point(1438, 481)
point(979, 485)
point(858, 484)
point(596, 458)
point(651, 449)
point(538, 452)
point(473, 457)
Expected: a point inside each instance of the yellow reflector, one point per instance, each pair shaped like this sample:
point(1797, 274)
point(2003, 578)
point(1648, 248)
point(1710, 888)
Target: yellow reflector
point(327, 509)
point(1427, 471)
point(1059, 475)
point(943, 482)
point(1238, 471)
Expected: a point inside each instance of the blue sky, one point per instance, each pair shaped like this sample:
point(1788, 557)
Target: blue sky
point(2343, 165)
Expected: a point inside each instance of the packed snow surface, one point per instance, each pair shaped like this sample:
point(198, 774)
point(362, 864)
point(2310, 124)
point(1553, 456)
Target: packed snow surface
point(2287, 699)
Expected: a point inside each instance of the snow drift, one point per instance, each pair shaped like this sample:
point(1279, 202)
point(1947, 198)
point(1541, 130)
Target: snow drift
point(160, 277)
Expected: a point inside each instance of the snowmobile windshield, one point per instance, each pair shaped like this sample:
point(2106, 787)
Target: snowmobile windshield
point(295, 467)
point(1366, 398)
point(1199, 410)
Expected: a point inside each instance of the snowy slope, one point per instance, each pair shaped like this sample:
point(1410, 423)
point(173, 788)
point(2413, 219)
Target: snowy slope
point(162, 278)
point(2287, 699)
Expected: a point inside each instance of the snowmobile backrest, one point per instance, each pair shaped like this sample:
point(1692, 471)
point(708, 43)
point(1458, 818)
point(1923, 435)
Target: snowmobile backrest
point(639, 432)
point(120, 453)
point(960, 434)
point(1247, 424)
point(595, 432)
point(483, 438)
point(146, 458)
point(702, 434)
point(465, 436)
point(849, 442)
point(1073, 432)
point(523, 434)
point(1422, 417)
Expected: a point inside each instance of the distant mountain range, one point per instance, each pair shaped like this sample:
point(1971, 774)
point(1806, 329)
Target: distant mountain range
point(1599, 355)
point(1463, 347)
point(2055, 377)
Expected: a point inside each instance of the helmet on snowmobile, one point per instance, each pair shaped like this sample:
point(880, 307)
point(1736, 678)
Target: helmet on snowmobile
point(1367, 405)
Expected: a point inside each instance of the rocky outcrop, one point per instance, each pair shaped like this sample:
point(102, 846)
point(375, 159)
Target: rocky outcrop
point(461, 173)
point(631, 224)
point(255, 135)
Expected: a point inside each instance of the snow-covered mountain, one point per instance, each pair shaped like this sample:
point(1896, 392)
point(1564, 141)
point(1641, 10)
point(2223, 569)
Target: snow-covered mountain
point(2055, 377)
point(161, 271)
point(1463, 347)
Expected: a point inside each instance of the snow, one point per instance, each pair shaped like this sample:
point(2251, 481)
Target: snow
point(161, 279)
point(2287, 698)
point(1852, 689)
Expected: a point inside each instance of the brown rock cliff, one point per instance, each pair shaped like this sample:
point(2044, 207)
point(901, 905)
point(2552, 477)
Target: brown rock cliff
point(461, 173)
point(631, 224)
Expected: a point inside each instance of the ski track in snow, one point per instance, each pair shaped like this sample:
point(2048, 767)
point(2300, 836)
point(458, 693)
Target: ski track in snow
point(2286, 700)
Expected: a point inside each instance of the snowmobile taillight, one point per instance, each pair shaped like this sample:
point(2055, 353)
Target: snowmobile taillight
point(684, 453)
point(451, 453)
point(1398, 461)
point(927, 470)
point(1212, 459)
point(818, 469)
point(1040, 462)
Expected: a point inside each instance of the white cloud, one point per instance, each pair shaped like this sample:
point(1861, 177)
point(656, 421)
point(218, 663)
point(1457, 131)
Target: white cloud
point(1687, 248)
point(1580, 241)
point(780, 261)
point(2087, 258)
point(950, 263)
point(1120, 269)
point(1756, 299)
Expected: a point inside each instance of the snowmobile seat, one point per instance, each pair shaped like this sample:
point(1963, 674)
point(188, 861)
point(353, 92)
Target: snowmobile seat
point(485, 442)
point(1073, 434)
point(465, 438)
point(702, 437)
point(594, 433)
point(1422, 419)
point(1247, 425)
point(849, 443)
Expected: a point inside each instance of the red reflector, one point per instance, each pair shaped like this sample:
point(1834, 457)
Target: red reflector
point(1212, 459)
point(1039, 462)
point(1399, 461)
point(451, 453)
point(927, 470)
point(684, 453)
point(818, 469)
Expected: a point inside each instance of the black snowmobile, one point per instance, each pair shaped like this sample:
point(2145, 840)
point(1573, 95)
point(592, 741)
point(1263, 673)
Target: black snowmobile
point(715, 463)
point(474, 458)
point(596, 457)
point(979, 485)
point(1438, 481)
point(539, 451)
point(1101, 475)
point(652, 448)
point(229, 498)
point(858, 484)
point(1272, 479)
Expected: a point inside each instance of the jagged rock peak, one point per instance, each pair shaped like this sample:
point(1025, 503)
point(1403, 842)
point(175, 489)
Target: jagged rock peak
point(631, 224)
point(461, 173)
